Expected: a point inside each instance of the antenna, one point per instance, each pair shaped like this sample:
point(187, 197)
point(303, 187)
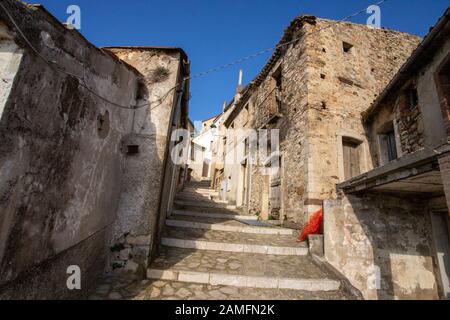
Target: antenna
point(239, 87)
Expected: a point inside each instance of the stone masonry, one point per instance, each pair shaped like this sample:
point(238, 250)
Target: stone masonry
point(314, 90)
point(80, 167)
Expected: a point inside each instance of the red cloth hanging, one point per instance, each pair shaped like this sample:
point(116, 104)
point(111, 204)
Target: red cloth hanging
point(313, 226)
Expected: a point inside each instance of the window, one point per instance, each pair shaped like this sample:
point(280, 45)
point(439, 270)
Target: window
point(351, 155)
point(391, 146)
point(413, 97)
point(347, 47)
point(388, 143)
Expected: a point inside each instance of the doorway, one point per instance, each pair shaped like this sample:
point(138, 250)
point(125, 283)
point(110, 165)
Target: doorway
point(441, 238)
point(350, 150)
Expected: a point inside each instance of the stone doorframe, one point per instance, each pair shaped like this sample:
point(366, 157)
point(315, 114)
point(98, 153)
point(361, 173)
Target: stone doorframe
point(340, 136)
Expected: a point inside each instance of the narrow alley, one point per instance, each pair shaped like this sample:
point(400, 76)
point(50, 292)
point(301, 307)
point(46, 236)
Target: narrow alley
point(210, 251)
point(321, 172)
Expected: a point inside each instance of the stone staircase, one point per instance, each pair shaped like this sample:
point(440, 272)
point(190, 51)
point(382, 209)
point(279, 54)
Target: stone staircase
point(209, 245)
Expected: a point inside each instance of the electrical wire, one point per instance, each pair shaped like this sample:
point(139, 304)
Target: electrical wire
point(160, 101)
point(261, 52)
point(54, 65)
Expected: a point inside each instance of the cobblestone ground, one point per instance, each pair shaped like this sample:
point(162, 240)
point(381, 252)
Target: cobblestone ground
point(238, 263)
point(129, 288)
point(220, 262)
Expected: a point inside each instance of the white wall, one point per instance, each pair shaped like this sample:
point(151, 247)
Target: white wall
point(10, 58)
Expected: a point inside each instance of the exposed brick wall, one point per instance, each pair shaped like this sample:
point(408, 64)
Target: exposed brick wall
point(410, 125)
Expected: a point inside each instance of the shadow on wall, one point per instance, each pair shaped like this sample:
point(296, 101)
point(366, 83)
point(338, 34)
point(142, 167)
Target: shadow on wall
point(132, 232)
point(382, 244)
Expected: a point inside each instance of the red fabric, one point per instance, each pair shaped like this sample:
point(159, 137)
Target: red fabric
point(313, 226)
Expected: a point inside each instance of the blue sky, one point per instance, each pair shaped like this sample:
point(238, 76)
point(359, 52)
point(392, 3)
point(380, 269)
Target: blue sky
point(216, 32)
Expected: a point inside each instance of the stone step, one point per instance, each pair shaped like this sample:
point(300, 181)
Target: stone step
point(185, 203)
point(203, 209)
point(232, 247)
point(200, 191)
point(198, 194)
point(213, 215)
point(124, 287)
point(241, 270)
point(233, 241)
point(216, 279)
point(190, 198)
point(198, 184)
point(223, 225)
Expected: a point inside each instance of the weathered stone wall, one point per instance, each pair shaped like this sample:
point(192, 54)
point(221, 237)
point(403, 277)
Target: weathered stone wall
point(444, 166)
point(140, 208)
point(420, 126)
point(60, 158)
point(293, 108)
point(233, 147)
point(342, 85)
point(410, 125)
point(382, 245)
point(323, 92)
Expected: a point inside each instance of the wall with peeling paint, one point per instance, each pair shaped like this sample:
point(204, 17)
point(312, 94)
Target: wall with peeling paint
point(140, 206)
point(61, 162)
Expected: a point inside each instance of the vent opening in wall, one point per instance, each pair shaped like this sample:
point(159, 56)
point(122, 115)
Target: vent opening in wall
point(347, 47)
point(132, 149)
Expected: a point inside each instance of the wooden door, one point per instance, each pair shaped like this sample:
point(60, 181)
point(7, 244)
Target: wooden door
point(351, 159)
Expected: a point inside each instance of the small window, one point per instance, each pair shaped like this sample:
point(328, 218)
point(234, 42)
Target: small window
point(413, 98)
point(347, 47)
point(391, 146)
point(246, 147)
point(388, 143)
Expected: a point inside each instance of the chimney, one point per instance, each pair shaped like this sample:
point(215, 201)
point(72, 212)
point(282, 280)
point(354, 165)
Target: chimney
point(224, 106)
point(239, 87)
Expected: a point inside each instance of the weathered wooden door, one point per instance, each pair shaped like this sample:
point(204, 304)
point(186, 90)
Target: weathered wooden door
point(351, 159)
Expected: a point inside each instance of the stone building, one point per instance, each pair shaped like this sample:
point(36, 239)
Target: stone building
point(387, 229)
point(202, 143)
point(84, 173)
point(391, 224)
point(322, 75)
